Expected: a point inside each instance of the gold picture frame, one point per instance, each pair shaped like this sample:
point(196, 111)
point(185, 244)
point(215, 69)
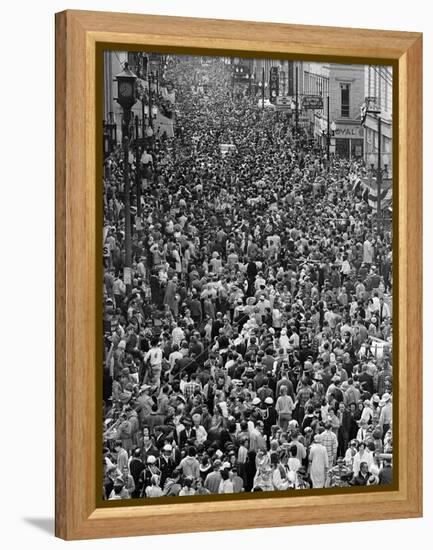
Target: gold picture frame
point(81, 37)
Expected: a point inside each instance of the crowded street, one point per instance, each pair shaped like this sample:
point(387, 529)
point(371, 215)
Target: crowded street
point(247, 301)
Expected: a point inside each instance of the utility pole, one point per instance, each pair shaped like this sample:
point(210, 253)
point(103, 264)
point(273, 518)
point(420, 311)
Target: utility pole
point(296, 103)
point(149, 79)
point(143, 121)
point(233, 80)
point(137, 170)
point(328, 134)
point(127, 191)
point(263, 87)
point(126, 98)
point(365, 110)
point(379, 174)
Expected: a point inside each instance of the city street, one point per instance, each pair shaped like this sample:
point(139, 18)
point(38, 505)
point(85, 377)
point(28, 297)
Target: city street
point(247, 254)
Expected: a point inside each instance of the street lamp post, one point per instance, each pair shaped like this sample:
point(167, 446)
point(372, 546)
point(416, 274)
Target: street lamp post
point(110, 134)
point(330, 130)
point(149, 80)
point(153, 113)
point(106, 137)
point(263, 85)
point(143, 119)
point(126, 98)
point(374, 110)
point(137, 170)
point(112, 128)
point(379, 171)
point(296, 103)
point(379, 174)
point(144, 124)
point(333, 128)
point(328, 136)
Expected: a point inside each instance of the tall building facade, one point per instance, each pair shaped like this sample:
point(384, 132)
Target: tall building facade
point(378, 89)
point(286, 74)
point(315, 81)
point(149, 69)
point(344, 87)
point(290, 81)
point(346, 96)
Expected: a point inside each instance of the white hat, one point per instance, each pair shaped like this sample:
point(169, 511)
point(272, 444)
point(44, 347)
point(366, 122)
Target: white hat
point(291, 476)
point(167, 447)
point(269, 401)
point(151, 459)
point(256, 401)
point(385, 397)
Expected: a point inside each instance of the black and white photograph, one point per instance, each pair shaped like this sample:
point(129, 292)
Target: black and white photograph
point(247, 275)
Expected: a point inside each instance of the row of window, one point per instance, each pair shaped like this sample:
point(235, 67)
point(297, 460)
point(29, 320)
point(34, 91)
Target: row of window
point(379, 86)
point(319, 85)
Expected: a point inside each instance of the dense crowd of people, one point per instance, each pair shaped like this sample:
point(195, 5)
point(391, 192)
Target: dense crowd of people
point(252, 348)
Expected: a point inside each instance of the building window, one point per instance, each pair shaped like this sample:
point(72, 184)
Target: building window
point(345, 100)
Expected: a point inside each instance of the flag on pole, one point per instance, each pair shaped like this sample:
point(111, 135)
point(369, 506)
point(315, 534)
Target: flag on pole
point(368, 189)
point(371, 192)
point(355, 181)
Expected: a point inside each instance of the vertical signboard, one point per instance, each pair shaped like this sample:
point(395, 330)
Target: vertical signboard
point(273, 84)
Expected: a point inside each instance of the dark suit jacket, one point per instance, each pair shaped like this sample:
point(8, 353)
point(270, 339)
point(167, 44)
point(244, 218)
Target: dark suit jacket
point(366, 382)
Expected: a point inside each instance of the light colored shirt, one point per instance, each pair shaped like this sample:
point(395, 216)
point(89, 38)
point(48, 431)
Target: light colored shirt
point(226, 487)
point(385, 415)
point(284, 404)
point(329, 440)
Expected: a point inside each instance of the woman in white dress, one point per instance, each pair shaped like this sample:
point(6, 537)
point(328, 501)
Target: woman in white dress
point(318, 463)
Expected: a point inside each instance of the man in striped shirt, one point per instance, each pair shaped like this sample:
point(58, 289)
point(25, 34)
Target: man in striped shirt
point(191, 386)
point(329, 440)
